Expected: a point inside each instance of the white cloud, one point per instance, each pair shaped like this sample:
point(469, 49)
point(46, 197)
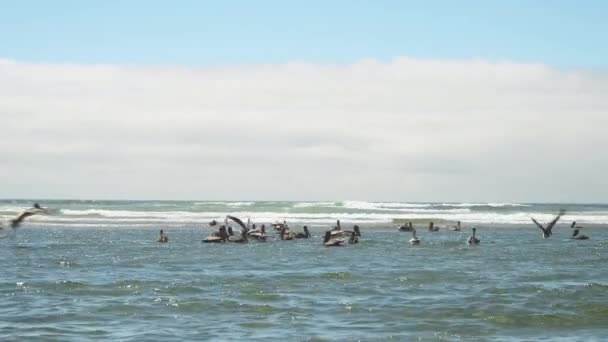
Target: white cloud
point(408, 129)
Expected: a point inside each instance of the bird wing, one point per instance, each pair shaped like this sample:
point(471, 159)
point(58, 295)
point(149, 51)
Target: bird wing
point(552, 223)
point(237, 220)
point(17, 221)
point(540, 226)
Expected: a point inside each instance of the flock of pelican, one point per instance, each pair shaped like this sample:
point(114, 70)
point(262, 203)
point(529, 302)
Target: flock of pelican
point(334, 237)
point(224, 233)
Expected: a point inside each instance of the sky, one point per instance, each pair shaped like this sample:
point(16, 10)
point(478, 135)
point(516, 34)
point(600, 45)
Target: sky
point(316, 100)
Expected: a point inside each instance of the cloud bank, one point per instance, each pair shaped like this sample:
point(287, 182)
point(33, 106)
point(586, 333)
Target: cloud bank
point(406, 129)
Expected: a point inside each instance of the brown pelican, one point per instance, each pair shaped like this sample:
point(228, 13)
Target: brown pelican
point(432, 227)
point(337, 231)
point(473, 240)
point(258, 233)
point(547, 231)
point(219, 236)
point(406, 227)
point(304, 235)
point(576, 236)
point(414, 240)
point(332, 241)
point(162, 237)
point(278, 226)
point(241, 238)
point(286, 234)
point(16, 222)
point(454, 228)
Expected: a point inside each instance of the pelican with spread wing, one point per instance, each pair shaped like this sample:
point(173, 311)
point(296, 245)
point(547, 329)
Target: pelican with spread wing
point(548, 229)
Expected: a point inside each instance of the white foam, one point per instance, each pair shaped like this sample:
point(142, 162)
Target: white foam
point(315, 204)
point(121, 217)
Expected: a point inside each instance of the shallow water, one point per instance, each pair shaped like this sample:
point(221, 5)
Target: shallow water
point(74, 284)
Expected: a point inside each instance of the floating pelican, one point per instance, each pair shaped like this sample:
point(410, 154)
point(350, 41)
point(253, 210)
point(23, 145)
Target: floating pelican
point(473, 240)
point(454, 228)
point(576, 236)
point(304, 235)
point(414, 240)
point(219, 236)
point(332, 241)
point(337, 231)
point(286, 234)
point(432, 227)
point(258, 233)
point(547, 231)
point(241, 238)
point(406, 227)
point(162, 237)
point(278, 226)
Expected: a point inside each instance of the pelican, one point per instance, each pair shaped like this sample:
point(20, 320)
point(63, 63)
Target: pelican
point(304, 235)
point(279, 226)
point(162, 237)
point(454, 228)
point(36, 209)
point(473, 240)
point(547, 231)
point(286, 234)
point(219, 236)
point(332, 241)
point(414, 240)
point(258, 233)
point(406, 227)
point(337, 231)
point(241, 238)
point(432, 227)
point(576, 236)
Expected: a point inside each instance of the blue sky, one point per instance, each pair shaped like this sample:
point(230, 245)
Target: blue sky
point(558, 33)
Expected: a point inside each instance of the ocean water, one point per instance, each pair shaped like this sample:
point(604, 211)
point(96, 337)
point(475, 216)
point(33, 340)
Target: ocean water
point(92, 270)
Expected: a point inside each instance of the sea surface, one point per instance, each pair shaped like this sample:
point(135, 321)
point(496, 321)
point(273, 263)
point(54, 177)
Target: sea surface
point(92, 270)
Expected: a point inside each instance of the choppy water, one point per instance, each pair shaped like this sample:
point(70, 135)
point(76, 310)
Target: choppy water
point(74, 282)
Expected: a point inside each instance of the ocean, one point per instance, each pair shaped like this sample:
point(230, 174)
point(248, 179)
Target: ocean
point(92, 270)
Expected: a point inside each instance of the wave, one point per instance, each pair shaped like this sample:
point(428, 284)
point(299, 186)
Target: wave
point(494, 205)
point(121, 217)
point(226, 203)
point(362, 205)
point(315, 204)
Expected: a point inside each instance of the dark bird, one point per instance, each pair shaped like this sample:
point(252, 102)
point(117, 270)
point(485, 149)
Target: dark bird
point(35, 210)
point(304, 235)
point(406, 227)
point(473, 240)
point(547, 231)
point(576, 236)
point(332, 241)
point(218, 236)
